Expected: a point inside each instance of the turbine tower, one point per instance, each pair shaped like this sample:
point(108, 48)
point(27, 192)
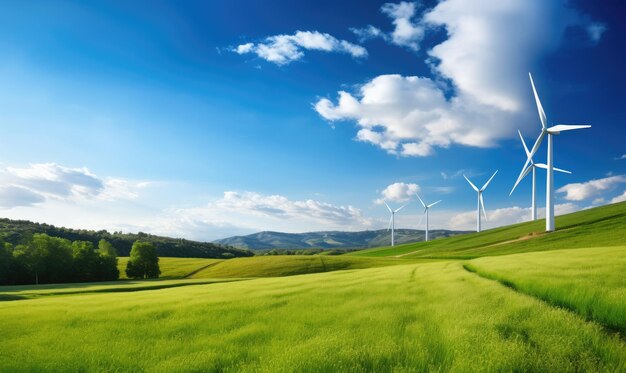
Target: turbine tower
point(481, 202)
point(392, 220)
point(533, 166)
point(426, 207)
point(550, 131)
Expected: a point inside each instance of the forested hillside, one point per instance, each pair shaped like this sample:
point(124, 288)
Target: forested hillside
point(20, 231)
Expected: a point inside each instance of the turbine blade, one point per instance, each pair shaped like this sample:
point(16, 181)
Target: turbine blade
point(473, 186)
point(482, 204)
point(388, 208)
point(524, 143)
point(418, 197)
point(529, 159)
point(542, 113)
point(545, 167)
point(488, 181)
point(566, 127)
point(432, 204)
point(400, 208)
point(389, 226)
point(422, 218)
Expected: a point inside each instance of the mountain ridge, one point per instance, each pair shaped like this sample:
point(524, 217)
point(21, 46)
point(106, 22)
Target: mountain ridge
point(267, 240)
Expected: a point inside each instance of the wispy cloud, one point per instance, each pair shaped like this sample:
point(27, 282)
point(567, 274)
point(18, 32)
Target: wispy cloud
point(284, 49)
point(408, 32)
point(591, 188)
point(40, 182)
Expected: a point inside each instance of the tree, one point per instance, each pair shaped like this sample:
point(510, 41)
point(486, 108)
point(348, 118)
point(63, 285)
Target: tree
point(6, 260)
point(107, 270)
point(143, 261)
point(85, 261)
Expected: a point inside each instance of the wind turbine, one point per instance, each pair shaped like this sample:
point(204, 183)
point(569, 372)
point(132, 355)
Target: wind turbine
point(550, 131)
point(392, 221)
point(533, 166)
point(426, 207)
point(481, 202)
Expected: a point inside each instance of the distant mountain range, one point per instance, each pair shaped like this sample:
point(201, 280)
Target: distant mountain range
point(330, 239)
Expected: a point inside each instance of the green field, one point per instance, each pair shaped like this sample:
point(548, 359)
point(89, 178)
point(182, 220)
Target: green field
point(510, 301)
point(173, 267)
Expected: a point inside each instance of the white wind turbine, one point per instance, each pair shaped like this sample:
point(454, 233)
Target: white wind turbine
point(545, 130)
point(481, 202)
point(426, 207)
point(392, 220)
point(533, 166)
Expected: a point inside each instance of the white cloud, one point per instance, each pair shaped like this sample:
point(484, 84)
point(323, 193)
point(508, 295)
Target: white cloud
point(591, 188)
point(283, 49)
point(623, 156)
point(595, 30)
point(407, 31)
point(479, 92)
point(620, 198)
point(42, 182)
point(398, 192)
point(504, 216)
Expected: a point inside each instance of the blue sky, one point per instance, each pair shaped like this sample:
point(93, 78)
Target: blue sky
point(209, 119)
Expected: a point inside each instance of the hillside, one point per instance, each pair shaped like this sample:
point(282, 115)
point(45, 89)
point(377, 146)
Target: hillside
point(329, 239)
point(17, 231)
point(599, 226)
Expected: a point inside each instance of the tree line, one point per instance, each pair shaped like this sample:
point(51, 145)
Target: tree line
point(44, 259)
point(18, 231)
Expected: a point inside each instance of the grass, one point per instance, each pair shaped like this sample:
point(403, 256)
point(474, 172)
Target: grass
point(35, 291)
point(172, 268)
point(418, 317)
point(289, 265)
point(601, 226)
point(591, 282)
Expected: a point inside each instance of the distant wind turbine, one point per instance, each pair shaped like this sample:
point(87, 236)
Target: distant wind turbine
point(426, 207)
point(545, 130)
point(533, 166)
point(481, 202)
point(392, 220)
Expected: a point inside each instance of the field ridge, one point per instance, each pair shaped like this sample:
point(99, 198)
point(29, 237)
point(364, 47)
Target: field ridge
point(608, 328)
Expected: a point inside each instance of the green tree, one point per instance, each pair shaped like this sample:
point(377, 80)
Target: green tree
point(6, 261)
point(107, 269)
point(85, 261)
point(143, 261)
point(48, 259)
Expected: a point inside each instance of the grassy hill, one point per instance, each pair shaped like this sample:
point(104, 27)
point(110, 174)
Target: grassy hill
point(329, 239)
point(510, 299)
point(18, 231)
point(600, 226)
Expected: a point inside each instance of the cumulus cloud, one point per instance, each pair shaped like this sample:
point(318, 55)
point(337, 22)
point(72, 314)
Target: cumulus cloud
point(479, 86)
point(398, 192)
point(283, 49)
point(252, 212)
point(408, 32)
point(591, 188)
point(37, 183)
point(504, 216)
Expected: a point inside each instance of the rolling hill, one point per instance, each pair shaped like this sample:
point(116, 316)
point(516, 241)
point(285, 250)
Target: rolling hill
point(16, 231)
point(329, 239)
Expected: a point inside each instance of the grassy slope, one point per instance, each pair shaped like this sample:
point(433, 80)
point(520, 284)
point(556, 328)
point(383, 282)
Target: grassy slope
point(601, 226)
point(172, 267)
point(35, 291)
point(418, 317)
point(289, 265)
point(592, 282)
